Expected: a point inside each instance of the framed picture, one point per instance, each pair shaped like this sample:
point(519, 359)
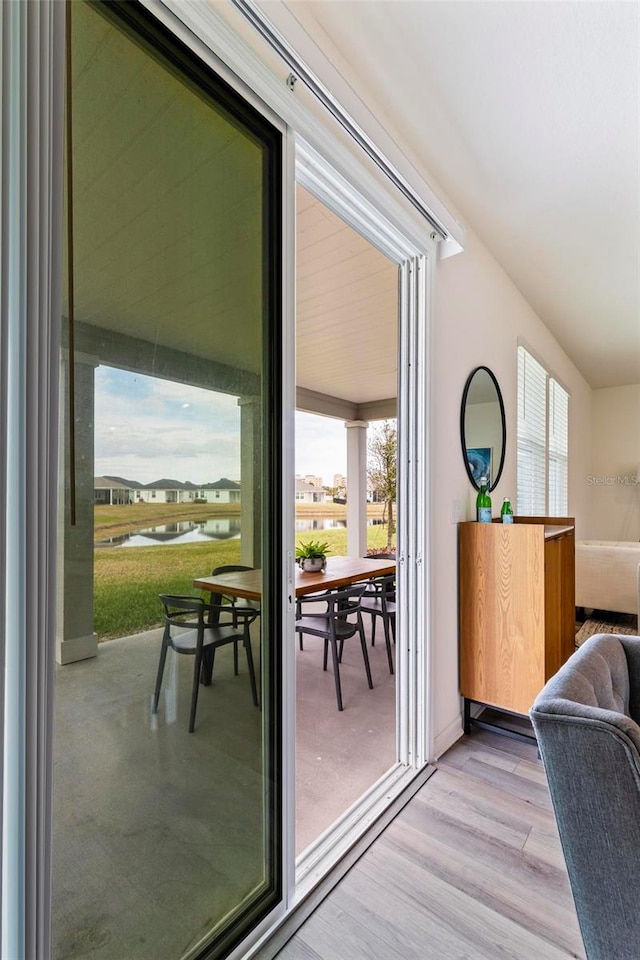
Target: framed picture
point(479, 460)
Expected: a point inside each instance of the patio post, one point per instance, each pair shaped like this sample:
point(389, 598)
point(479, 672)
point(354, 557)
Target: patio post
point(356, 487)
point(75, 638)
point(250, 481)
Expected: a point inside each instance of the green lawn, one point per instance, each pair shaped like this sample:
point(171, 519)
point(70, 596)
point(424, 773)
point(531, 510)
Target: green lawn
point(127, 580)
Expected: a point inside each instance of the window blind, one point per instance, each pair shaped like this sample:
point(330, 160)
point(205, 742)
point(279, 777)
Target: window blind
point(558, 449)
point(531, 435)
point(542, 440)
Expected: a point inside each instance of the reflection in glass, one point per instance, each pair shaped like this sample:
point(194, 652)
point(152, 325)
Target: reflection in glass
point(161, 836)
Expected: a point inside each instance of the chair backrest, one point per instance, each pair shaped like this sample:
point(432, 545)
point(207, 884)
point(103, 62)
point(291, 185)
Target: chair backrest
point(383, 587)
point(176, 606)
point(590, 745)
point(242, 607)
point(343, 602)
point(230, 568)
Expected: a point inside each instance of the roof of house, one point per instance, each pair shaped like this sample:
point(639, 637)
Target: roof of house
point(223, 484)
point(122, 482)
point(303, 487)
point(165, 483)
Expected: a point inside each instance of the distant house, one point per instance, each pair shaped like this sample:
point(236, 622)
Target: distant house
point(308, 493)
point(114, 490)
point(162, 491)
point(117, 490)
point(222, 491)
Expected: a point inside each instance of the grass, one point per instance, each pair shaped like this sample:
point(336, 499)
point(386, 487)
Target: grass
point(127, 580)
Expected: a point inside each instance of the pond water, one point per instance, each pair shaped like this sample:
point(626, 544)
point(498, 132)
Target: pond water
point(328, 523)
point(183, 531)
point(189, 531)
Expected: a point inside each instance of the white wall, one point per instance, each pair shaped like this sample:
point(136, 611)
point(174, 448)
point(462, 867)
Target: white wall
point(478, 317)
point(613, 494)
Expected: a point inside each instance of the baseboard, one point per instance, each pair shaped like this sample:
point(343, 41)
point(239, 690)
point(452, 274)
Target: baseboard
point(447, 737)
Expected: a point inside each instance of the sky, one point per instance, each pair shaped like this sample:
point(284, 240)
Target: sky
point(321, 446)
point(147, 429)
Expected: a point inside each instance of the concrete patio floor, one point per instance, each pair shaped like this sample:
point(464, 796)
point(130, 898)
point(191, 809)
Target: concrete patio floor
point(156, 831)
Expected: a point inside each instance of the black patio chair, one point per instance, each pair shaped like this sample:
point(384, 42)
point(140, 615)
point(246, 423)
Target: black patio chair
point(379, 601)
point(334, 626)
point(187, 631)
point(244, 609)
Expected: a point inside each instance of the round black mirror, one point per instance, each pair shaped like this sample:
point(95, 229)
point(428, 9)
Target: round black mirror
point(483, 428)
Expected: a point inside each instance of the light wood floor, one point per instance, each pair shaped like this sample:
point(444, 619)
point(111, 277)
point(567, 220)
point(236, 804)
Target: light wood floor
point(471, 868)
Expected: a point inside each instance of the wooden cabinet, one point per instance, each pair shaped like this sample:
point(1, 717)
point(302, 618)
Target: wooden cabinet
point(516, 608)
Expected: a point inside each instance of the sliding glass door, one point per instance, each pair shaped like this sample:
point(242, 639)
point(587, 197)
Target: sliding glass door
point(167, 770)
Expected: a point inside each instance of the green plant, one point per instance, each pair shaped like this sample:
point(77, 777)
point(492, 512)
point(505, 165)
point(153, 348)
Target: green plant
point(312, 550)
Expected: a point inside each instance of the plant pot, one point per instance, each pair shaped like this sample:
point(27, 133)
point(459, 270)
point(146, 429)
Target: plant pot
point(313, 564)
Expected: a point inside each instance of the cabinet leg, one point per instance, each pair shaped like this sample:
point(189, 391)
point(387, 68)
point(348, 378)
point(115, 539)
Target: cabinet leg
point(466, 721)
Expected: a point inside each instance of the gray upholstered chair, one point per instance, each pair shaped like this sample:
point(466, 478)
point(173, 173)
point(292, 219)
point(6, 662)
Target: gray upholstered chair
point(586, 721)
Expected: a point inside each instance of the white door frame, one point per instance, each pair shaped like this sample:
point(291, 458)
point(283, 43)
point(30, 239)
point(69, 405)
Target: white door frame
point(31, 465)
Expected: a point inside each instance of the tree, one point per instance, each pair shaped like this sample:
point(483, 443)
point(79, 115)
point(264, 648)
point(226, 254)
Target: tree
point(382, 460)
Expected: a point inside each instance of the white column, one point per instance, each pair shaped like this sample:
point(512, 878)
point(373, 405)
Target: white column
point(75, 637)
point(250, 481)
point(356, 487)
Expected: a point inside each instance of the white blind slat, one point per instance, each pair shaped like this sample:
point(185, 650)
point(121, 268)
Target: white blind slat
point(542, 440)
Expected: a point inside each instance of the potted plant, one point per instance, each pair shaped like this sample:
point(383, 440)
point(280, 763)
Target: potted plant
point(312, 556)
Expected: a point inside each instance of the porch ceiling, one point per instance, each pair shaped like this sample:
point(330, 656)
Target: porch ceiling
point(168, 245)
point(347, 309)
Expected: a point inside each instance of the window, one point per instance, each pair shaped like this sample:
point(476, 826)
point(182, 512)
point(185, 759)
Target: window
point(543, 433)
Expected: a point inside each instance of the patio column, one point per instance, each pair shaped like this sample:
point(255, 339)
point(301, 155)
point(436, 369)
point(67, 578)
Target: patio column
point(356, 487)
point(75, 638)
point(250, 481)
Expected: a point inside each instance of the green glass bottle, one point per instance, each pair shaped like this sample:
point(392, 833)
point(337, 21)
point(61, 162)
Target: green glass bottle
point(483, 503)
point(507, 511)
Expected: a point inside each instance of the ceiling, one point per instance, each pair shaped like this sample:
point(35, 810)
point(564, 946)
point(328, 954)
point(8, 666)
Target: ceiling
point(167, 205)
point(526, 115)
point(346, 309)
point(168, 243)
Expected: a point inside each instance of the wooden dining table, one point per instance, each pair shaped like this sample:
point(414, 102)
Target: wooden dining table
point(340, 572)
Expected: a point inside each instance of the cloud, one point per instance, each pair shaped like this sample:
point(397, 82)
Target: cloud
point(321, 446)
point(146, 428)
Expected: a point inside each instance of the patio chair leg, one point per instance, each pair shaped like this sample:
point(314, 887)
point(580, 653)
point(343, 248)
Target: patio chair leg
point(363, 644)
point(235, 658)
point(336, 672)
point(387, 640)
point(194, 694)
point(341, 651)
point(252, 673)
point(374, 620)
point(163, 657)
point(326, 651)
point(300, 641)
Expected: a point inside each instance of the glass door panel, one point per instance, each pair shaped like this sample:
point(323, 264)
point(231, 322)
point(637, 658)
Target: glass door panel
point(166, 806)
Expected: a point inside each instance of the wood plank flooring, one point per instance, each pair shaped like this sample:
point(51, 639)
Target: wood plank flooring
point(471, 869)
